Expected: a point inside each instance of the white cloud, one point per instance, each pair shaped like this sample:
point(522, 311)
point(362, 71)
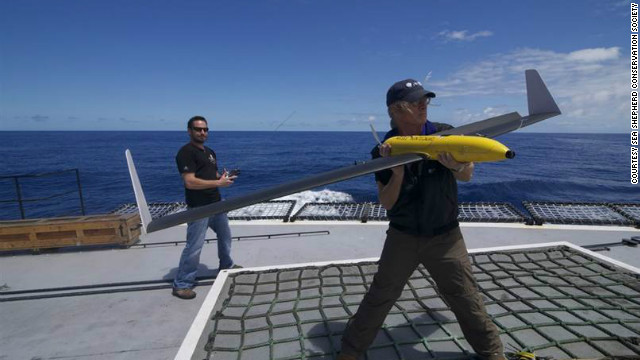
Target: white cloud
point(620, 4)
point(461, 35)
point(491, 111)
point(589, 85)
point(349, 119)
point(465, 115)
point(595, 55)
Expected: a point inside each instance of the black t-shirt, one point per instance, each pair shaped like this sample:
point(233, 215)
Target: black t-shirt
point(428, 199)
point(383, 176)
point(204, 164)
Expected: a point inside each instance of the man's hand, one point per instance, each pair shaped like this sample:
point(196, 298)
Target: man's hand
point(193, 183)
point(226, 180)
point(449, 162)
point(388, 194)
point(385, 150)
point(462, 171)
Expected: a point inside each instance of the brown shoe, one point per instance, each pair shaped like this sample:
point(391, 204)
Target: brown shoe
point(186, 294)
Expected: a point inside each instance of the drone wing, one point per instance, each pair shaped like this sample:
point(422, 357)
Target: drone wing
point(541, 107)
point(292, 187)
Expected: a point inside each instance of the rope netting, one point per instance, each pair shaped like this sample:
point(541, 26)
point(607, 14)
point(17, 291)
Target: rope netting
point(275, 209)
point(269, 210)
point(468, 212)
point(377, 213)
point(489, 212)
point(576, 213)
point(332, 211)
point(540, 212)
point(632, 211)
point(156, 209)
point(555, 301)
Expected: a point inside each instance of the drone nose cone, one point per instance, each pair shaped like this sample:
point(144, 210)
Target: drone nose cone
point(510, 154)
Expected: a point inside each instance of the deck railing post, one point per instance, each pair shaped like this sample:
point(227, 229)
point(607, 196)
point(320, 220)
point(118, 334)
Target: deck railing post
point(19, 193)
point(80, 191)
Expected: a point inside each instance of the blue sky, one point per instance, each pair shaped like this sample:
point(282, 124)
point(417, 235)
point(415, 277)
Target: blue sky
point(306, 65)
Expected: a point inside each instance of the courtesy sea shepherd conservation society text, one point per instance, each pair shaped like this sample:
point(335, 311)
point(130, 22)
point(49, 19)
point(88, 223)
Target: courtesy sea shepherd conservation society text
point(634, 93)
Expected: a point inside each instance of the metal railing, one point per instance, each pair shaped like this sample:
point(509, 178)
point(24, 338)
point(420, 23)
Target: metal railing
point(21, 200)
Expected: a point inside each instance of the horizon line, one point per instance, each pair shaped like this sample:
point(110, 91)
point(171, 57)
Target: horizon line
point(302, 131)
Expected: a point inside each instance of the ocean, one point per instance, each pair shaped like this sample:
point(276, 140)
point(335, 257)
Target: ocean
point(547, 167)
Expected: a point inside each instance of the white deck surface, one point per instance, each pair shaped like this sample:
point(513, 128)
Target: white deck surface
point(151, 324)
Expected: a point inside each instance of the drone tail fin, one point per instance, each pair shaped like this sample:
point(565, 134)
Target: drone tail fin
point(141, 201)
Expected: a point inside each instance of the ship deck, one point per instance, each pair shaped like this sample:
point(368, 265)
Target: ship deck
point(112, 303)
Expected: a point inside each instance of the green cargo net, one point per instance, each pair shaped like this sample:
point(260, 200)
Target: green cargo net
point(555, 301)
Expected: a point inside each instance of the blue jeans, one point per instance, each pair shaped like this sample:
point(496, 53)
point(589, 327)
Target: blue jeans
point(190, 259)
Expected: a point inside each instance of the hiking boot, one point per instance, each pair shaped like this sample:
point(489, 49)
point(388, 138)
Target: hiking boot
point(186, 294)
point(236, 266)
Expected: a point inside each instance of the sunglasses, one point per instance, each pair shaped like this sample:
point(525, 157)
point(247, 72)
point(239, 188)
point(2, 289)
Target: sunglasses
point(426, 101)
point(199, 129)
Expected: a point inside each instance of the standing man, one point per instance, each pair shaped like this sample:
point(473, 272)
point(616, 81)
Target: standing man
point(422, 205)
point(199, 169)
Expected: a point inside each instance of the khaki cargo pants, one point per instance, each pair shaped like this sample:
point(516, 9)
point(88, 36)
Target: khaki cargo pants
point(445, 257)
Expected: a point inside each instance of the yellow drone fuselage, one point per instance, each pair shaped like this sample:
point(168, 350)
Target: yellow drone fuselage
point(462, 148)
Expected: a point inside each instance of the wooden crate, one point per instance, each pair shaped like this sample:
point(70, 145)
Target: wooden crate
point(35, 234)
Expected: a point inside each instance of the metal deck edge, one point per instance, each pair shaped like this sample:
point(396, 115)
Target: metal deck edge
point(463, 224)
